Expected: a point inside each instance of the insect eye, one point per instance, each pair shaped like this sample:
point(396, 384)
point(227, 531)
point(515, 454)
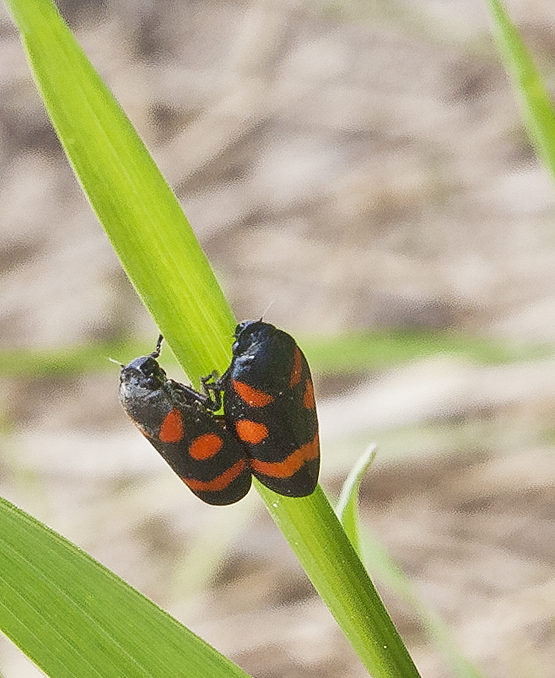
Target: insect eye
point(148, 368)
point(151, 372)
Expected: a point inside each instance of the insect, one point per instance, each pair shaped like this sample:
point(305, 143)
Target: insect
point(268, 400)
point(179, 422)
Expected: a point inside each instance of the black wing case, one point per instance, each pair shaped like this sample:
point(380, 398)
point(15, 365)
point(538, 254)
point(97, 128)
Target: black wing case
point(270, 403)
point(195, 443)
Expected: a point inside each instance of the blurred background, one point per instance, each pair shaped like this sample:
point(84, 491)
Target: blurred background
point(360, 170)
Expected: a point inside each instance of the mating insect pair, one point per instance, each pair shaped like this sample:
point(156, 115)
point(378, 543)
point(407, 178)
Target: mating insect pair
point(269, 427)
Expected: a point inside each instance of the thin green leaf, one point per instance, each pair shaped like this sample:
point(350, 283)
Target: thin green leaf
point(347, 504)
point(141, 215)
point(380, 563)
point(384, 567)
point(74, 618)
point(328, 557)
point(158, 250)
point(536, 104)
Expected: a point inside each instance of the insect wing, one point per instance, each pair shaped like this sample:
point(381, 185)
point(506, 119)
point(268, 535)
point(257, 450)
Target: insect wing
point(269, 400)
point(191, 439)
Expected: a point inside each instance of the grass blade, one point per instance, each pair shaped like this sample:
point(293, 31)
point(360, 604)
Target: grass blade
point(141, 215)
point(167, 267)
point(75, 619)
point(347, 504)
point(536, 104)
point(328, 557)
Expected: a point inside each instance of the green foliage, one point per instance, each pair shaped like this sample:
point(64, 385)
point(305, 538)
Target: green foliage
point(169, 270)
point(384, 567)
point(141, 215)
point(536, 105)
point(347, 505)
point(75, 619)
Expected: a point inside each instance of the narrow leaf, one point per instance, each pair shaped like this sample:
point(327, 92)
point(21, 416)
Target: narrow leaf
point(536, 104)
point(75, 619)
point(347, 505)
point(141, 215)
point(328, 557)
point(159, 253)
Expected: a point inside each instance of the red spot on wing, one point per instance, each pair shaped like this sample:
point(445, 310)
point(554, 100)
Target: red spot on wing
point(171, 430)
point(308, 397)
point(221, 482)
point(289, 466)
point(252, 396)
point(297, 368)
point(251, 431)
point(205, 446)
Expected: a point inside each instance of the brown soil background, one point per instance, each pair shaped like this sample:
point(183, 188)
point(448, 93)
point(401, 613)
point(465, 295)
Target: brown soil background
point(358, 165)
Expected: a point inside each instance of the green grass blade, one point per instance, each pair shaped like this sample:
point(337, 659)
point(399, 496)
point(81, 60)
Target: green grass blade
point(75, 619)
point(159, 253)
point(330, 355)
point(536, 104)
point(132, 200)
point(359, 351)
point(380, 563)
point(347, 504)
point(328, 557)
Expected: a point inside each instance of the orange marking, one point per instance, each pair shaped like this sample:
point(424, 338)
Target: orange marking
point(205, 446)
point(252, 396)
point(308, 397)
point(219, 483)
point(250, 431)
point(289, 466)
point(171, 430)
point(297, 368)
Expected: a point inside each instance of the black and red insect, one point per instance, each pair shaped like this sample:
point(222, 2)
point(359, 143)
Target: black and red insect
point(180, 424)
point(268, 400)
point(271, 427)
